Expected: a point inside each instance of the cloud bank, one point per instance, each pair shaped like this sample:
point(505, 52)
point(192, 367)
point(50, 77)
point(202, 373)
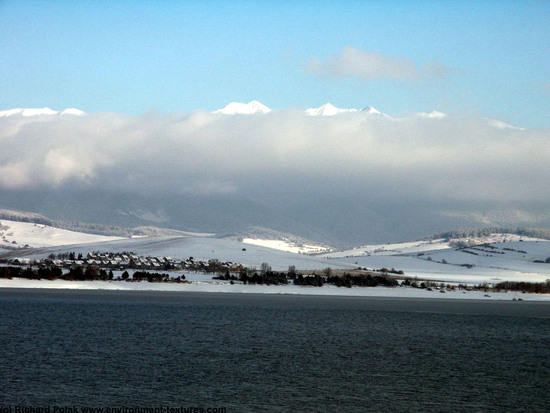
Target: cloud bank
point(440, 158)
point(352, 62)
point(285, 158)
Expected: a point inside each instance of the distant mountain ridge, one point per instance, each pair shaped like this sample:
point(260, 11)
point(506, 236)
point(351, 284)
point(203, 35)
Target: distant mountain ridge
point(40, 112)
point(328, 109)
point(255, 107)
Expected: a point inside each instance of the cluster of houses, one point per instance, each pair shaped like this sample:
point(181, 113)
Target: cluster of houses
point(122, 261)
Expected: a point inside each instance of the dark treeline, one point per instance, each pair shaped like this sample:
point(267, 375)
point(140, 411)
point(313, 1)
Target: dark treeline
point(267, 278)
point(391, 271)
point(89, 274)
point(361, 280)
point(537, 288)
point(315, 280)
point(311, 280)
point(151, 277)
point(10, 272)
point(80, 274)
point(42, 273)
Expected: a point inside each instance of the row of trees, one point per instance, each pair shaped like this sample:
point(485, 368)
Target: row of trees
point(65, 256)
point(269, 277)
point(150, 276)
point(362, 280)
point(77, 273)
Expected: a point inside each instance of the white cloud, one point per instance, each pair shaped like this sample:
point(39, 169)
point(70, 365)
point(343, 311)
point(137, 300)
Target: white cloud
point(352, 62)
point(279, 155)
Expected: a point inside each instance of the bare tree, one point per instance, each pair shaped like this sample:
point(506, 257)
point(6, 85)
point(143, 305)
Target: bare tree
point(265, 268)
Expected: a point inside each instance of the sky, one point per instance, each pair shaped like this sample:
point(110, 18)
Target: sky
point(132, 57)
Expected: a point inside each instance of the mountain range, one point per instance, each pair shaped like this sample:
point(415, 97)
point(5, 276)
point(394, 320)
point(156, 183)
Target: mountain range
point(255, 107)
point(251, 108)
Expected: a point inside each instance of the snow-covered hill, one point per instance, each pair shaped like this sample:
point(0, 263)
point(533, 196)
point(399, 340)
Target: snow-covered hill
point(491, 259)
point(40, 112)
point(15, 234)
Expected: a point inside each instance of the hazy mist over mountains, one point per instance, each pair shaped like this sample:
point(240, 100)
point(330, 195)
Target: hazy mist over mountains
point(347, 177)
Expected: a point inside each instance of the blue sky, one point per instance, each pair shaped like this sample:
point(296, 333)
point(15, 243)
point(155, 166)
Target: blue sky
point(132, 57)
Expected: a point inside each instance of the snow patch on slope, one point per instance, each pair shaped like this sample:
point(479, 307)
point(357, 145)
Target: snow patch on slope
point(286, 245)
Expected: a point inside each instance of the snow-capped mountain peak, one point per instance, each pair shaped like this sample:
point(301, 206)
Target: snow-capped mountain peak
point(327, 110)
point(370, 110)
point(250, 108)
point(40, 112)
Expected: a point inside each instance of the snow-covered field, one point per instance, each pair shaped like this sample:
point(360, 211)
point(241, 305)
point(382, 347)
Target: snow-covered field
point(16, 234)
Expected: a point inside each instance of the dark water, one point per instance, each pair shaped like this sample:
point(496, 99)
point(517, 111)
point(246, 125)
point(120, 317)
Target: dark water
point(252, 353)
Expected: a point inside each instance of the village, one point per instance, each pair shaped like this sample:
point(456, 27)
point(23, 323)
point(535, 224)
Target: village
point(123, 261)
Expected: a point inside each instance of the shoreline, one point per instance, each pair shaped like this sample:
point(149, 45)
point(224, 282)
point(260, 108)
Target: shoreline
point(291, 290)
point(463, 306)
